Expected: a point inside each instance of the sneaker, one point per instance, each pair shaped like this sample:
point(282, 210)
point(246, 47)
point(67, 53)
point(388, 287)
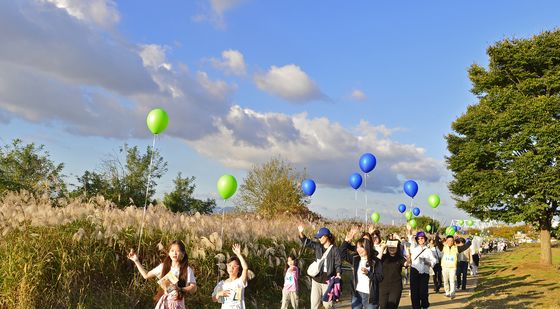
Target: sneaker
point(452, 296)
point(446, 295)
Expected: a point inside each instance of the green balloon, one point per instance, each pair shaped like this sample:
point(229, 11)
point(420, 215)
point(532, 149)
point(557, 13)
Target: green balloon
point(433, 200)
point(375, 217)
point(428, 228)
point(408, 214)
point(450, 231)
point(470, 222)
point(460, 222)
point(413, 223)
point(227, 185)
point(157, 120)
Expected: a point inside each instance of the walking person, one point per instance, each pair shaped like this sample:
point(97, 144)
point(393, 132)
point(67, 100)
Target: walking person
point(390, 289)
point(475, 255)
point(422, 260)
point(291, 286)
point(449, 264)
point(437, 277)
point(177, 264)
point(405, 247)
point(231, 291)
point(463, 264)
point(328, 259)
point(367, 271)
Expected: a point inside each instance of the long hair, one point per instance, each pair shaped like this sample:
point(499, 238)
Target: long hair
point(330, 236)
point(367, 245)
point(366, 235)
point(183, 264)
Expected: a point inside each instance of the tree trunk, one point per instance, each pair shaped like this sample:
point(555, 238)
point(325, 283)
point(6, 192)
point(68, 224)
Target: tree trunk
point(546, 250)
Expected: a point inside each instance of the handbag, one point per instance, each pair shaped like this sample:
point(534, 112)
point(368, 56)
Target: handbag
point(315, 268)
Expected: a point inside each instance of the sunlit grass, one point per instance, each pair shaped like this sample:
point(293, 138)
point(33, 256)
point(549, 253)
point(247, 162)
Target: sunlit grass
point(74, 256)
point(515, 279)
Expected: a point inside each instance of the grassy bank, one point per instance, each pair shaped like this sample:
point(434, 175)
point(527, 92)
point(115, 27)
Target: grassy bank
point(74, 256)
point(515, 279)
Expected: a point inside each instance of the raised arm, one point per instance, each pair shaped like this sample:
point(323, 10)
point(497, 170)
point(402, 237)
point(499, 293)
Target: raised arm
point(236, 248)
point(304, 240)
point(464, 247)
point(145, 274)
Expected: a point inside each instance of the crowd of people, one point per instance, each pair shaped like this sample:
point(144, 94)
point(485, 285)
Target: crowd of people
point(381, 268)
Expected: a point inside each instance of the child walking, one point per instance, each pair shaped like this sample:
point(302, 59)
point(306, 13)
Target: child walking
point(231, 292)
point(176, 263)
point(290, 290)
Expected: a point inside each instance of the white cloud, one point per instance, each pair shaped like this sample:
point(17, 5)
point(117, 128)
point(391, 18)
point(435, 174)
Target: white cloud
point(232, 62)
point(153, 56)
point(53, 42)
point(103, 13)
point(358, 95)
point(216, 11)
point(289, 82)
point(327, 150)
point(56, 69)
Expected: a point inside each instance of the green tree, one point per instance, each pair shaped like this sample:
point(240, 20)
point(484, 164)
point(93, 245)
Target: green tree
point(504, 149)
point(272, 188)
point(422, 221)
point(29, 167)
point(123, 180)
point(181, 198)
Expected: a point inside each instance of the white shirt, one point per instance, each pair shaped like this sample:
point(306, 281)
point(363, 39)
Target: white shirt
point(420, 256)
point(437, 254)
point(236, 298)
point(363, 279)
point(174, 270)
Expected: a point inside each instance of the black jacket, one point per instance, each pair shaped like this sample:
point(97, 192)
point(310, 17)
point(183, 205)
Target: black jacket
point(332, 260)
point(375, 276)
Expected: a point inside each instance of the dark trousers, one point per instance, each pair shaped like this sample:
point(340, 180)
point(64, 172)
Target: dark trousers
point(438, 282)
point(419, 289)
point(462, 268)
point(390, 295)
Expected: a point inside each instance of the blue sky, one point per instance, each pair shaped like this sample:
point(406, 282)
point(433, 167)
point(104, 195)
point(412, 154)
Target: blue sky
point(316, 82)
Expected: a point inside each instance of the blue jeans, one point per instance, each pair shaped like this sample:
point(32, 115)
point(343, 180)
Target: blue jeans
point(360, 299)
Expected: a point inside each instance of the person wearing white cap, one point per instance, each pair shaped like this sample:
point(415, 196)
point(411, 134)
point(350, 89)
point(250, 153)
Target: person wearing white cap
point(328, 261)
point(422, 260)
point(390, 289)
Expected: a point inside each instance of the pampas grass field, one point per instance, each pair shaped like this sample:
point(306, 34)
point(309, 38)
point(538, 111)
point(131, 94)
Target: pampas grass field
point(74, 255)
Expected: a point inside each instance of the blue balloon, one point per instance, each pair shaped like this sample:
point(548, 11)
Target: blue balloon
point(411, 188)
point(456, 228)
point(367, 162)
point(355, 181)
point(416, 211)
point(308, 187)
point(402, 208)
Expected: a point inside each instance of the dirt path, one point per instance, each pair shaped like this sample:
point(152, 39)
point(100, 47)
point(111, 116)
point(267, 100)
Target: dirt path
point(436, 300)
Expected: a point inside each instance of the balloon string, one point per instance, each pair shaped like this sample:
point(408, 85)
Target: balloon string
point(223, 217)
point(147, 190)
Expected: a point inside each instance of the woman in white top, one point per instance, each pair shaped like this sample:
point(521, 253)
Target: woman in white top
point(231, 292)
point(174, 266)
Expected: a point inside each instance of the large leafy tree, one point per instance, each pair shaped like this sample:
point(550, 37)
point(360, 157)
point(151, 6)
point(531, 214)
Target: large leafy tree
point(29, 167)
point(272, 188)
point(505, 148)
point(181, 199)
point(123, 177)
